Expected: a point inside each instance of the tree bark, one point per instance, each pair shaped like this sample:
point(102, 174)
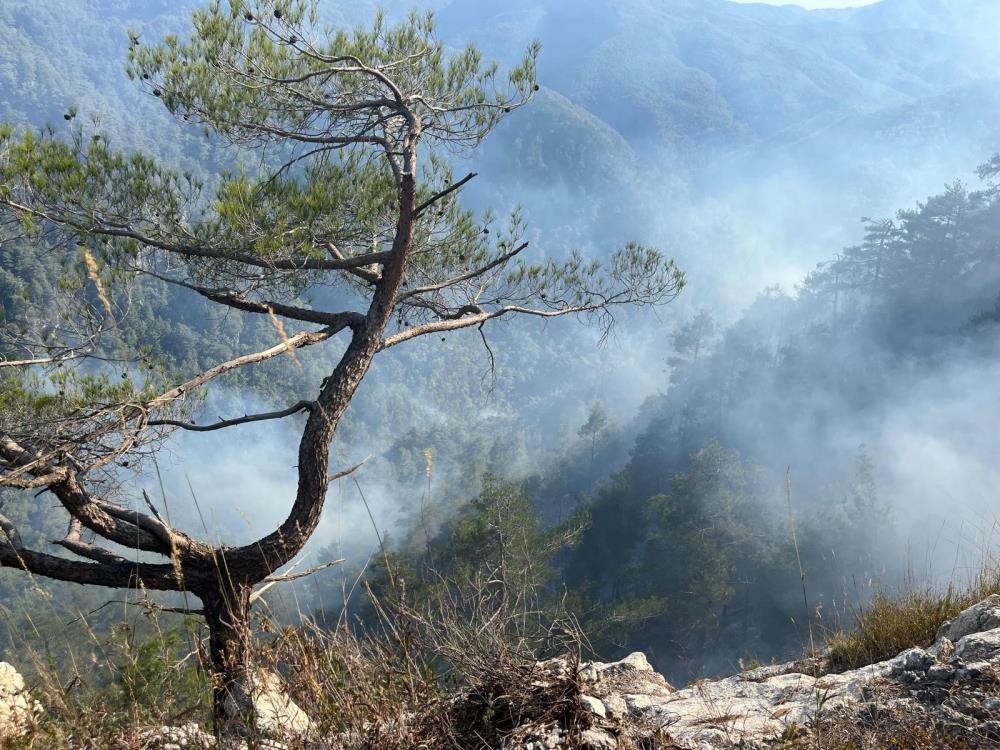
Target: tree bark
point(227, 614)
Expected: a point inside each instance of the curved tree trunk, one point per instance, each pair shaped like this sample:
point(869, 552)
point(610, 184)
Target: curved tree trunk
point(227, 614)
point(226, 594)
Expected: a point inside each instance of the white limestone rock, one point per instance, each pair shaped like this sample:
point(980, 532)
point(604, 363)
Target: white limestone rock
point(185, 737)
point(977, 647)
point(18, 710)
point(594, 705)
point(976, 619)
point(276, 715)
point(598, 739)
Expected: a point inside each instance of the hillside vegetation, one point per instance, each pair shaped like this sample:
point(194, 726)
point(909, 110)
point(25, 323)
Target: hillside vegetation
point(796, 457)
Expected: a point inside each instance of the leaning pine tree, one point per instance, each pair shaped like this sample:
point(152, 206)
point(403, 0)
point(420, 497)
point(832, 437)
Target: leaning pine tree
point(349, 134)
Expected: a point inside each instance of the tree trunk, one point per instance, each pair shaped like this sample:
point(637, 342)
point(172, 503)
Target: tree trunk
point(227, 614)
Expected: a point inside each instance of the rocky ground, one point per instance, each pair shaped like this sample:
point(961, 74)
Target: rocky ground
point(946, 695)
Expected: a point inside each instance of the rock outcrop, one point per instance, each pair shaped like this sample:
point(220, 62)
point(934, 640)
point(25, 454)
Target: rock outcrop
point(951, 688)
point(278, 721)
point(275, 714)
point(17, 708)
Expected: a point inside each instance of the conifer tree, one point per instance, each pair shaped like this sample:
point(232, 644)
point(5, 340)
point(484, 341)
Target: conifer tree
point(348, 134)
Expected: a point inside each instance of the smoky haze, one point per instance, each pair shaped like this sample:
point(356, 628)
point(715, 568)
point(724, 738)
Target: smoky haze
point(745, 195)
point(748, 141)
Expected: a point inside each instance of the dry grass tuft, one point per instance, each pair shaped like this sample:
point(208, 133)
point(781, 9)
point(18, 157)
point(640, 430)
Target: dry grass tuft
point(892, 623)
point(465, 671)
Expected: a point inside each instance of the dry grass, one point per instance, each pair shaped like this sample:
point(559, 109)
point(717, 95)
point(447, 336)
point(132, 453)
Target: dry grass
point(849, 735)
point(102, 690)
point(887, 724)
point(463, 671)
point(892, 623)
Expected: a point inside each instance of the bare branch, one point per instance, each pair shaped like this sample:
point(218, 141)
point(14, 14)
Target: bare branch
point(113, 575)
point(229, 298)
point(145, 603)
point(90, 551)
point(474, 274)
point(272, 580)
point(245, 419)
point(102, 518)
point(297, 341)
point(40, 360)
point(447, 191)
point(141, 521)
point(458, 320)
point(489, 351)
point(362, 273)
point(346, 472)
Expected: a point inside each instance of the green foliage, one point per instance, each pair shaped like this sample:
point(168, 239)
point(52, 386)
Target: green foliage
point(248, 39)
point(161, 670)
point(86, 176)
point(496, 540)
point(658, 572)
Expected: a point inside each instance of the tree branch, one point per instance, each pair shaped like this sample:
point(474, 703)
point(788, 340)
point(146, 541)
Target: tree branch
point(111, 574)
point(101, 518)
point(271, 580)
point(438, 196)
point(362, 273)
point(461, 320)
point(141, 521)
point(90, 551)
point(299, 340)
point(245, 419)
point(230, 298)
point(40, 360)
point(476, 273)
point(346, 472)
point(298, 263)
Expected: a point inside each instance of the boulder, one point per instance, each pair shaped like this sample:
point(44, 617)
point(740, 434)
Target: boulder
point(976, 619)
point(276, 715)
point(18, 710)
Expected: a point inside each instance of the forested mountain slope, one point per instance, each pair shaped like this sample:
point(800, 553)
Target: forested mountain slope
point(856, 411)
point(748, 140)
point(670, 107)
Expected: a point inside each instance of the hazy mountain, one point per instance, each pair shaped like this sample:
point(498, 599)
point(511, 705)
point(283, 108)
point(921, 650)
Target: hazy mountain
point(696, 71)
point(686, 81)
point(690, 108)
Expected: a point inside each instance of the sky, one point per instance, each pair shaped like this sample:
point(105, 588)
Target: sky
point(814, 4)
